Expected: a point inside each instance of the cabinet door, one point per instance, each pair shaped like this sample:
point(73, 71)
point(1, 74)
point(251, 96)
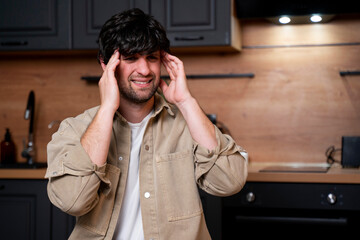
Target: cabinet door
point(90, 15)
point(27, 214)
point(195, 23)
point(34, 25)
point(25, 210)
point(212, 211)
point(62, 224)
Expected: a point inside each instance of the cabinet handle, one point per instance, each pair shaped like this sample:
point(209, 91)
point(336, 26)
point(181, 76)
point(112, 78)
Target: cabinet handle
point(2, 187)
point(14, 43)
point(190, 38)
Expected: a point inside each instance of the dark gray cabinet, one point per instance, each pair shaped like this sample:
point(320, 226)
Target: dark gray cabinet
point(90, 15)
point(75, 24)
point(27, 214)
point(35, 25)
point(201, 23)
point(213, 212)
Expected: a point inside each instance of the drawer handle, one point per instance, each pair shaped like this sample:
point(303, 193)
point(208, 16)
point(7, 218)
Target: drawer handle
point(193, 38)
point(2, 187)
point(14, 43)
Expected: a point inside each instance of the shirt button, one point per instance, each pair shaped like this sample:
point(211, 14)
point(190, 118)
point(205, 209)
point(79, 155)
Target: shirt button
point(120, 158)
point(147, 195)
point(147, 147)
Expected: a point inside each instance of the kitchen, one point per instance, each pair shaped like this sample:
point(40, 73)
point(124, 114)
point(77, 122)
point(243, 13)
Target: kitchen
point(280, 93)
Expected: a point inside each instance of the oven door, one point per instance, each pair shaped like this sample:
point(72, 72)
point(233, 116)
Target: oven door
point(277, 209)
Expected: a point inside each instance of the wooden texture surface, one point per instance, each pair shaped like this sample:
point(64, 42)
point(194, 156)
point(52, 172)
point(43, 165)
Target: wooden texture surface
point(295, 107)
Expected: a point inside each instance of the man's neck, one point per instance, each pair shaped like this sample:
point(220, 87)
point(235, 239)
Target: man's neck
point(135, 112)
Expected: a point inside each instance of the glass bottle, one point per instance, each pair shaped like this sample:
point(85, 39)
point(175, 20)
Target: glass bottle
point(7, 149)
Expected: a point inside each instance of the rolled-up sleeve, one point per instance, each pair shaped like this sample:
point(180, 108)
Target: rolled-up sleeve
point(222, 171)
point(74, 180)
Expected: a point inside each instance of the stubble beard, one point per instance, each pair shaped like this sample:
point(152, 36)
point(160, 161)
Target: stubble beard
point(131, 94)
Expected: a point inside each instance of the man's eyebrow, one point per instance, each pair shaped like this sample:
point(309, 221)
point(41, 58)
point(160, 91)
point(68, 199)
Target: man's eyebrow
point(151, 53)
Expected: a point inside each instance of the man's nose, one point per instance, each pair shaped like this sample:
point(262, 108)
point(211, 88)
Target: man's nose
point(143, 66)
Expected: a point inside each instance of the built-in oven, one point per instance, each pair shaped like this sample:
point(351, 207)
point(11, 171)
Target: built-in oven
point(300, 209)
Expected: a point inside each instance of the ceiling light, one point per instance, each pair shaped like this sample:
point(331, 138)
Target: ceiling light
point(301, 19)
point(284, 20)
point(315, 18)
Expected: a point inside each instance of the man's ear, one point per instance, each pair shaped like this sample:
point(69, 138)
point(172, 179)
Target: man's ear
point(100, 59)
point(103, 65)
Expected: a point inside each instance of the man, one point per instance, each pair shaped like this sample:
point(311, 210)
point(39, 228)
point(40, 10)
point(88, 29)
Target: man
point(129, 168)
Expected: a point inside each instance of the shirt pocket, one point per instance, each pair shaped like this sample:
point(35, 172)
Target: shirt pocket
point(97, 220)
point(177, 185)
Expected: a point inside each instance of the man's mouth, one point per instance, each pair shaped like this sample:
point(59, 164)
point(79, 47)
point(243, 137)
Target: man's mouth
point(141, 82)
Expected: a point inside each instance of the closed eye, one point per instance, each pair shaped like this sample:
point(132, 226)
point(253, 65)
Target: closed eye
point(152, 58)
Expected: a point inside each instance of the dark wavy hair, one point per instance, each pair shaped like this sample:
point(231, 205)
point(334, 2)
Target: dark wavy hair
point(131, 32)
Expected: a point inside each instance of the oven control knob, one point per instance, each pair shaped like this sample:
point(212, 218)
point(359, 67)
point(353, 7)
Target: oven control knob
point(331, 198)
point(250, 197)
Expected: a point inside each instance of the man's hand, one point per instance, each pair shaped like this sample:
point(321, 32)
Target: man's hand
point(177, 91)
point(96, 139)
point(108, 86)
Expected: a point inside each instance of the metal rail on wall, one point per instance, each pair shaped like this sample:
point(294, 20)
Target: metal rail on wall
point(194, 76)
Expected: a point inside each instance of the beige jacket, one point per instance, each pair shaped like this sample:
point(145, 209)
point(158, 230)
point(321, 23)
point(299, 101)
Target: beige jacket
point(171, 167)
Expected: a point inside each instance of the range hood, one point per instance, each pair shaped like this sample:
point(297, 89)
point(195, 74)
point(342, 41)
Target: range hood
point(266, 9)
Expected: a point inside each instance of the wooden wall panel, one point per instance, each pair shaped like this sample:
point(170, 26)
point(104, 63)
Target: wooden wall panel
point(295, 107)
point(59, 93)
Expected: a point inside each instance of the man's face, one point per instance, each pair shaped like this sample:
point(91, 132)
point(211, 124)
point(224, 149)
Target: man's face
point(139, 76)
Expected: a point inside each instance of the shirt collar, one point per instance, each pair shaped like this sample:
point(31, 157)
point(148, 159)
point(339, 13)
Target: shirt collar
point(161, 103)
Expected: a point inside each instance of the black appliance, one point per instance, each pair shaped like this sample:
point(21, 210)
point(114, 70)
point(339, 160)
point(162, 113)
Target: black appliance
point(350, 154)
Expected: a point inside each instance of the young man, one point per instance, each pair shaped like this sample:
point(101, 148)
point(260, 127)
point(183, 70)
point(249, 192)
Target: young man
point(129, 168)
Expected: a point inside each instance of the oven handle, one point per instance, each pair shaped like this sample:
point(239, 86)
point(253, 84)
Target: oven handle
point(294, 220)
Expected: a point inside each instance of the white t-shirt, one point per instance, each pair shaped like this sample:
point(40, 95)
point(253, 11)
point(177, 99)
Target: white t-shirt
point(129, 225)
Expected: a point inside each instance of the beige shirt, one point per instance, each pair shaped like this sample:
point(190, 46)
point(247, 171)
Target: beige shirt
point(172, 166)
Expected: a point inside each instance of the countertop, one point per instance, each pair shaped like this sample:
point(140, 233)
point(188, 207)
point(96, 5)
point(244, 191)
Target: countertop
point(335, 174)
point(16, 173)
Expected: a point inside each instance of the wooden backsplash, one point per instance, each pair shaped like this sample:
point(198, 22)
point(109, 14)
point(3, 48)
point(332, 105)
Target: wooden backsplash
point(295, 107)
